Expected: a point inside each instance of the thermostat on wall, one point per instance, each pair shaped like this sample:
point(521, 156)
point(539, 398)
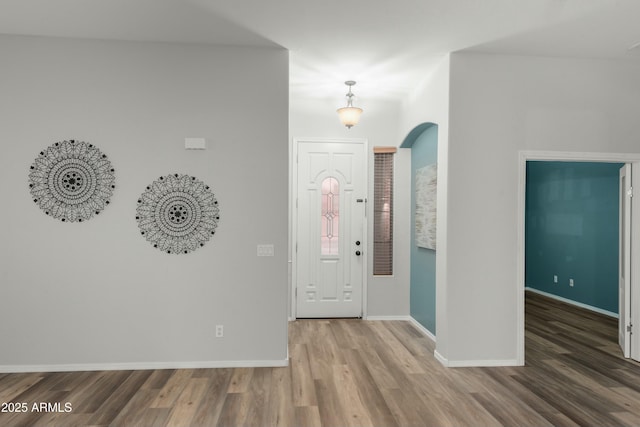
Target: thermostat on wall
point(195, 144)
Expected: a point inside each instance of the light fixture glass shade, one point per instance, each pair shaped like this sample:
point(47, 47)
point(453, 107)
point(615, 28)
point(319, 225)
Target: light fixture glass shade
point(349, 116)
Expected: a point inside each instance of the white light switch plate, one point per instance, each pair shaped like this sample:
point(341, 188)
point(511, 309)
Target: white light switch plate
point(265, 250)
point(195, 144)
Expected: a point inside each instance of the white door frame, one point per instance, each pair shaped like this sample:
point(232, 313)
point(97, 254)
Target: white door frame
point(625, 203)
point(293, 229)
point(559, 156)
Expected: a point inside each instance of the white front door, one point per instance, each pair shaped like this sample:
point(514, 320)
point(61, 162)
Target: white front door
point(331, 198)
point(624, 270)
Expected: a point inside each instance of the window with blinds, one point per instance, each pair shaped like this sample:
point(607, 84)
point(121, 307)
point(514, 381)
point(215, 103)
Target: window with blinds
point(383, 211)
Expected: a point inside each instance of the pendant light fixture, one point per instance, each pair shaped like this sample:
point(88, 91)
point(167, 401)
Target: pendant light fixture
point(349, 115)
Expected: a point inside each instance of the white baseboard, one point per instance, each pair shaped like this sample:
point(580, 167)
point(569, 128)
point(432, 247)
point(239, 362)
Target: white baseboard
point(440, 358)
point(409, 319)
point(12, 369)
point(572, 302)
point(422, 329)
point(482, 363)
point(388, 318)
point(462, 363)
point(444, 360)
point(474, 363)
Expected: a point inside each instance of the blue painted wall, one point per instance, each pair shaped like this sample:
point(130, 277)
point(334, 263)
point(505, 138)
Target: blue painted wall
point(571, 230)
point(423, 141)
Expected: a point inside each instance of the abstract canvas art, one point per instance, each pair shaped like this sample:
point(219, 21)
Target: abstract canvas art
point(426, 192)
point(177, 213)
point(71, 181)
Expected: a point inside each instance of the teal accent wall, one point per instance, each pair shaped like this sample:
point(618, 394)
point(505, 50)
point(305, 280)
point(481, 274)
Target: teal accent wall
point(571, 230)
point(423, 141)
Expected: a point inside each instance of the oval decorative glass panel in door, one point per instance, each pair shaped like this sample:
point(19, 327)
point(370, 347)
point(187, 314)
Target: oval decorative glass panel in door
point(71, 181)
point(330, 217)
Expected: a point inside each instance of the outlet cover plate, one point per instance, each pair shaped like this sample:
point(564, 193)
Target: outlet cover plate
point(195, 144)
point(265, 250)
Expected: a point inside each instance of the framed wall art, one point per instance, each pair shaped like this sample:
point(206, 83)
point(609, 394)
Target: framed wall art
point(426, 206)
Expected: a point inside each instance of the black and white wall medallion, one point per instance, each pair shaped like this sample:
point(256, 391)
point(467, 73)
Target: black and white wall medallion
point(71, 181)
point(177, 213)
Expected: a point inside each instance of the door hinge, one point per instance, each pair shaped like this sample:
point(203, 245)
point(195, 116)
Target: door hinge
point(630, 192)
point(630, 328)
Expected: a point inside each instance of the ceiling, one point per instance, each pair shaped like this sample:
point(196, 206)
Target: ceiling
point(387, 46)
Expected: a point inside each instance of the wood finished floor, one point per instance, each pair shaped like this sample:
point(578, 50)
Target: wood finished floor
point(362, 373)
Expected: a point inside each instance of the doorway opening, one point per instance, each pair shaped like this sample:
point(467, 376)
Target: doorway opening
point(572, 241)
point(634, 298)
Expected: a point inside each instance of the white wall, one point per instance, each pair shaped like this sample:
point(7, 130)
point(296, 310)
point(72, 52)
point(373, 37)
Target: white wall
point(317, 118)
point(97, 293)
point(498, 106)
point(430, 103)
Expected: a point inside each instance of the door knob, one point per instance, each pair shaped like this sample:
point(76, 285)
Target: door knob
point(358, 253)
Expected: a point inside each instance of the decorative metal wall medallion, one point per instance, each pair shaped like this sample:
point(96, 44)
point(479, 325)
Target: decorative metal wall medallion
point(71, 181)
point(177, 213)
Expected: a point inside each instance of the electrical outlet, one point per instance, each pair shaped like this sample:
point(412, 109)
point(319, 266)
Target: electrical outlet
point(265, 250)
point(571, 282)
point(219, 331)
point(555, 278)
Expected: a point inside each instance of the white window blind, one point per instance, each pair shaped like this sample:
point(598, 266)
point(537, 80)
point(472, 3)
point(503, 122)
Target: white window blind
point(383, 211)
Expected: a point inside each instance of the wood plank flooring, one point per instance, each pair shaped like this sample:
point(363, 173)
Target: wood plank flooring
point(362, 373)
